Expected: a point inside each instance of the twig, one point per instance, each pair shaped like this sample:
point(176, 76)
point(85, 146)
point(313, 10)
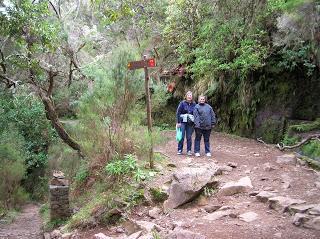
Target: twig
point(261, 141)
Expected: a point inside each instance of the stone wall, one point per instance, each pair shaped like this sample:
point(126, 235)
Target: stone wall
point(59, 199)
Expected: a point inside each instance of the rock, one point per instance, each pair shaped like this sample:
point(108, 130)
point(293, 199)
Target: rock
point(232, 164)
point(172, 165)
point(286, 185)
point(120, 230)
point(154, 212)
point(231, 188)
point(256, 154)
point(317, 184)
point(300, 218)
point(281, 204)
point(301, 162)
point(212, 208)
point(253, 193)
point(55, 234)
point(224, 168)
point(147, 226)
point(188, 183)
point(247, 171)
point(287, 159)
point(148, 236)
point(135, 235)
point(131, 227)
point(248, 216)
point(179, 233)
point(278, 235)
point(46, 236)
point(301, 208)
point(315, 210)
point(202, 200)
point(101, 236)
point(217, 215)
point(227, 207)
point(183, 224)
point(313, 223)
point(66, 236)
point(267, 167)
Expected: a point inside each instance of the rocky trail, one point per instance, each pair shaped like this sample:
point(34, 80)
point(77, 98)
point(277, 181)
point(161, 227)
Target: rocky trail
point(262, 193)
point(245, 190)
point(26, 226)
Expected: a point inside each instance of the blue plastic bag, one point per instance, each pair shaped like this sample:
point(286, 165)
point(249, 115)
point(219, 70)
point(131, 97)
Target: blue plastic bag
point(178, 134)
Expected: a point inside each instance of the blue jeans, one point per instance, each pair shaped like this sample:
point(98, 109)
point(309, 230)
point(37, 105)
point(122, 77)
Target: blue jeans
point(206, 136)
point(187, 131)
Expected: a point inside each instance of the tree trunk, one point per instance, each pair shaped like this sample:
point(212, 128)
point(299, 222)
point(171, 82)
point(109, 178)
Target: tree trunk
point(53, 117)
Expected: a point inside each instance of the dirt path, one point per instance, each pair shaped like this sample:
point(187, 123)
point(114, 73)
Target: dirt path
point(250, 157)
point(26, 226)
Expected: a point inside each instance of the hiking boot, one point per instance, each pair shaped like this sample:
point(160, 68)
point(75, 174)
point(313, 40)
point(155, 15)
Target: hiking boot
point(189, 153)
point(208, 154)
point(179, 152)
point(197, 154)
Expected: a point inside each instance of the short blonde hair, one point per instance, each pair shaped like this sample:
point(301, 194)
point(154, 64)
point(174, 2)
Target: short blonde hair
point(188, 92)
point(200, 96)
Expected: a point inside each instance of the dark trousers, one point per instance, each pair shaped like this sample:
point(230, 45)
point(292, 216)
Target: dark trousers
point(206, 136)
point(187, 131)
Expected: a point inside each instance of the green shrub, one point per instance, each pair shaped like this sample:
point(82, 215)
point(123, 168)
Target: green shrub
point(312, 149)
point(12, 168)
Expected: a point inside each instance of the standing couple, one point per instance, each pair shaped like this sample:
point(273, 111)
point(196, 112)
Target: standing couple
point(199, 117)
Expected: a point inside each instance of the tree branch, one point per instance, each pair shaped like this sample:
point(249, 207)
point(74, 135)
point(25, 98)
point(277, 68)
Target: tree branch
point(282, 147)
point(8, 81)
point(54, 9)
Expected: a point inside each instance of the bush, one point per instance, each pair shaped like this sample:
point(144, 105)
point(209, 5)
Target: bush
point(12, 168)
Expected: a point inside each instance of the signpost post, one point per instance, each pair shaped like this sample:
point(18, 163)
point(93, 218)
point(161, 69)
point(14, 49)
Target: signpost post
point(145, 63)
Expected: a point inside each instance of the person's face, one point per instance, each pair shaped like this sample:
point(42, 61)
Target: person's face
point(189, 97)
point(202, 100)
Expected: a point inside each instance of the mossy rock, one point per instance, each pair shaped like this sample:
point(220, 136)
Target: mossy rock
point(158, 195)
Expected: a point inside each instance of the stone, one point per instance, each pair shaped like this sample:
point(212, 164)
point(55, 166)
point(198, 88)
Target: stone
point(315, 210)
point(55, 234)
point(232, 164)
point(212, 208)
point(317, 184)
point(286, 185)
point(300, 218)
point(202, 200)
point(66, 236)
point(147, 236)
point(247, 171)
point(248, 216)
point(131, 227)
point(188, 183)
point(154, 212)
point(253, 193)
point(179, 233)
point(301, 162)
point(268, 167)
point(46, 236)
point(217, 215)
point(278, 235)
point(147, 226)
point(300, 208)
point(313, 223)
point(120, 230)
point(135, 235)
point(101, 236)
point(287, 159)
point(231, 188)
point(224, 168)
point(281, 204)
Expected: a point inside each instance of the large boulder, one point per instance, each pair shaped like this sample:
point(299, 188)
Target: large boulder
point(264, 196)
point(188, 182)
point(234, 187)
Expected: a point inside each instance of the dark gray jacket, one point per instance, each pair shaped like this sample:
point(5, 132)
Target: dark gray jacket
point(204, 116)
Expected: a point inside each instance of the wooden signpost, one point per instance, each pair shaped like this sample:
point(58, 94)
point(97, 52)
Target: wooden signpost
point(145, 63)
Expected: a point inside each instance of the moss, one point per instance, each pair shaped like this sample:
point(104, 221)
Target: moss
point(158, 195)
point(312, 149)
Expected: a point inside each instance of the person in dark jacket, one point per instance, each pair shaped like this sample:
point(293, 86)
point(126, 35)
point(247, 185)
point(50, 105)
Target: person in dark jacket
point(184, 121)
point(204, 120)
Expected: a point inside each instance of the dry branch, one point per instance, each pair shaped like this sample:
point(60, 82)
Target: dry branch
point(304, 141)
